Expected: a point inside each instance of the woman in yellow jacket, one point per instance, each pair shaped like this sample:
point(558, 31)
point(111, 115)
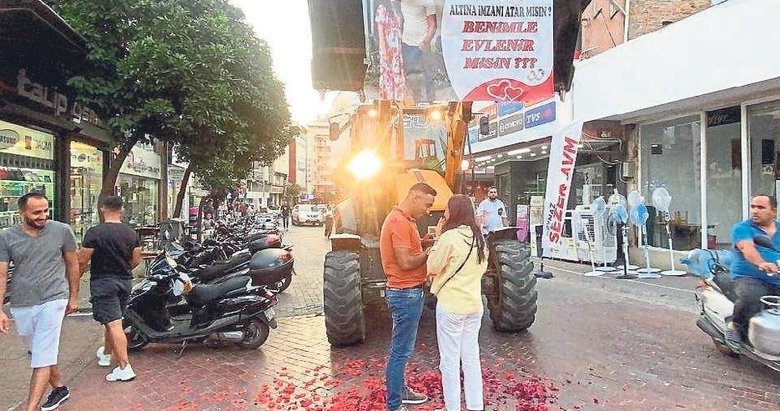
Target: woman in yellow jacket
point(456, 263)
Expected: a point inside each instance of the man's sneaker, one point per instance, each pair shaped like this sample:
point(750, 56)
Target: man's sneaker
point(104, 360)
point(56, 397)
point(121, 374)
point(733, 339)
point(411, 397)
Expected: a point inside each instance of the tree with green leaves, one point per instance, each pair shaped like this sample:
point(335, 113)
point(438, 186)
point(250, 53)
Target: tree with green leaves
point(189, 72)
point(293, 191)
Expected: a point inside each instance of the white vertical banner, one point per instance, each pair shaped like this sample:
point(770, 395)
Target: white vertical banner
point(563, 155)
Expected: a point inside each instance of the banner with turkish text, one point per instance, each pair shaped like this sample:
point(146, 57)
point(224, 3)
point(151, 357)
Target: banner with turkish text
point(563, 156)
point(470, 50)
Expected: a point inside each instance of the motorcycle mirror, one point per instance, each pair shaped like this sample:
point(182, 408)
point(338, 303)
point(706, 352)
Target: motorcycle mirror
point(764, 241)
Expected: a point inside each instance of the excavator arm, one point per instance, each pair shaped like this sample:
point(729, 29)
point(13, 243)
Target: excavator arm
point(457, 132)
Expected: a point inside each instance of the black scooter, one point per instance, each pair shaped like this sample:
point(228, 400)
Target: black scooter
point(231, 311)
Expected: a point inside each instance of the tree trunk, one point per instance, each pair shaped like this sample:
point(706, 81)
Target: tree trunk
point(109, 183)
point(200, 217)
point(182, 192)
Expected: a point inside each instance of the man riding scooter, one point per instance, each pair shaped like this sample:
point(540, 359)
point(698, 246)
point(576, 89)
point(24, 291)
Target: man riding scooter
point(754, 267)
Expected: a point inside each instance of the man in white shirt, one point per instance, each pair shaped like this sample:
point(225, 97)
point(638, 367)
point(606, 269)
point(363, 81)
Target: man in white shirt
point(419, 28)
point(492, 212)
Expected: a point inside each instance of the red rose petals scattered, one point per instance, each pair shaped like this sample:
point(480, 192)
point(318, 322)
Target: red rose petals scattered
point(358, 385)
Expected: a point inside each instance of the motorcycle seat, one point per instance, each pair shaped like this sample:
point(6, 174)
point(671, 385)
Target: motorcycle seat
point(202, 294)
point(219, 269)
point(726, 284)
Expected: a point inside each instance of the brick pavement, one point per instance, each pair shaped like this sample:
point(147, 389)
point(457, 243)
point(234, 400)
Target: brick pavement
point(304, 297)
point(592, 349)
point(597, 344)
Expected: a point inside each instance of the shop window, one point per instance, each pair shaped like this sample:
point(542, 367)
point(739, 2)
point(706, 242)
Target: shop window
point(26, 165)
point(670, 157)
point(86, 181)
point(764, 133)
point(724, 174)
point(140, 196)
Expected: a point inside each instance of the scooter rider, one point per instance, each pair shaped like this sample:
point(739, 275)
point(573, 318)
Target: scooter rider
point(754, 267)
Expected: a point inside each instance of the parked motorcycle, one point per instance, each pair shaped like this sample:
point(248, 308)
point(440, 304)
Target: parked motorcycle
point(716, 297)
point(214, 263)
point(167, 308)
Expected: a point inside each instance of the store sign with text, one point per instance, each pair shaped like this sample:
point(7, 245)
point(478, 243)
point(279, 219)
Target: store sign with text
point(25, 141)
point(512, 119)
point(563, 156)
point(86, 157)
point(482, 50)
point(499, 51)
point(48, 97)
point(142, 162)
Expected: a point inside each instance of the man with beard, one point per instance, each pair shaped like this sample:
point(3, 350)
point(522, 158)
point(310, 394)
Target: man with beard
point(43, 252)
point(492, 212)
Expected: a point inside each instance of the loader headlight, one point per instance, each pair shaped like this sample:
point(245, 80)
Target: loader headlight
point(365, 165)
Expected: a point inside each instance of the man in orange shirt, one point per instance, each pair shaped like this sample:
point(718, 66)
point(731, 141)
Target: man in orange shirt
point(403, 260)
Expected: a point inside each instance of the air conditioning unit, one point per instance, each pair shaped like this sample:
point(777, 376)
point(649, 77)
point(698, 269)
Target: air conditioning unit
point(588, 229)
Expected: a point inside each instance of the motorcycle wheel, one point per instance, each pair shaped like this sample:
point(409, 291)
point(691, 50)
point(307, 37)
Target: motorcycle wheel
point(256, 333)
point(135, 341)
point(284, 283)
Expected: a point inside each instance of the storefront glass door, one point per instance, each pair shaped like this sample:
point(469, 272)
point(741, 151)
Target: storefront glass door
point(671, 158)
point(86, 180)
point(764, 132)
point(724, 175)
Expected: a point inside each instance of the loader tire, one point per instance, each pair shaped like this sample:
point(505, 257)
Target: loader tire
point(513, 308)
point(343, 300)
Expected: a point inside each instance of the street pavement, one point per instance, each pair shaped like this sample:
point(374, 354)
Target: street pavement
point(597, 344)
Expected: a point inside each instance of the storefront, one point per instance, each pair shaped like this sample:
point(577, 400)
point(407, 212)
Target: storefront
point(705, 127)
point(514, 155)
point(86, 181)
point(26, 164)
point(139, 186)
point(40, 117)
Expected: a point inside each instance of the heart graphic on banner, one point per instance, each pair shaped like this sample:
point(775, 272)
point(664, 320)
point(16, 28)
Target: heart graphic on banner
point(504, 91)
point(514, 93)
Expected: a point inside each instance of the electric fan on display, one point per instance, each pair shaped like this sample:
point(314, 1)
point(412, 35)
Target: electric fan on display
point(661, 200)
point(618, 218)
point(634, 199)
point(639, 216)
point(617, 199)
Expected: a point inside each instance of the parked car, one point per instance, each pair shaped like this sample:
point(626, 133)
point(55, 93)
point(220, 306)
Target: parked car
point(307, 214)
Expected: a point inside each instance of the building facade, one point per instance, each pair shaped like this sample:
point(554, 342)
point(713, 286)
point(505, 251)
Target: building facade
point(701, 125)
point(49, 141)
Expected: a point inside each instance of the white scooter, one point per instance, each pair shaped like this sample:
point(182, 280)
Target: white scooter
point(716, 296)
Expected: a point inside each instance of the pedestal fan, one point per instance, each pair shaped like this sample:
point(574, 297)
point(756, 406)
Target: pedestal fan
point(634, 199)
point(639, 216)
point(614, 200)
point(661, 200)
point(618, 221)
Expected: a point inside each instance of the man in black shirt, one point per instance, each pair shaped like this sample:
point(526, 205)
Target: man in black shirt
point(113, 250)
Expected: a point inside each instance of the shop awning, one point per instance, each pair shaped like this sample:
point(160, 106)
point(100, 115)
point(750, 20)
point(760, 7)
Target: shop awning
point(33, 22)
point(700, 61)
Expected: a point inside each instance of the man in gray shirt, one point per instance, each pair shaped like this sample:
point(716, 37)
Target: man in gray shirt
point(42, 295)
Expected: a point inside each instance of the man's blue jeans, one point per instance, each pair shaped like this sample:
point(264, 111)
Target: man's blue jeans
point(416, 63)
point(406, 307)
